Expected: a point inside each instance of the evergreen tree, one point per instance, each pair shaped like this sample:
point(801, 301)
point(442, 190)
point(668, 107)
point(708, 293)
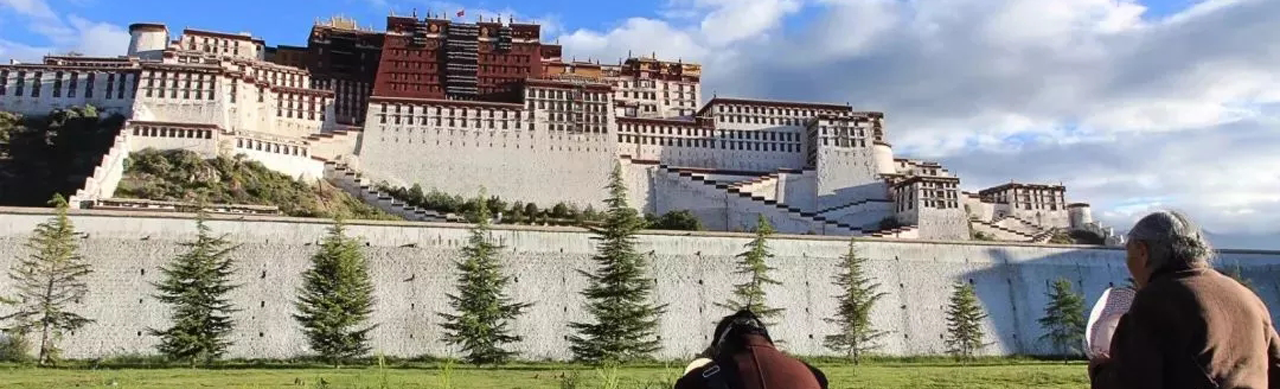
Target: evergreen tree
point(618, 291)
point(560, 211)
point(750, 294)
point(336, 299)
point(964, 322)
point(516, 213)
point(195, 286)
point(484, 312)
point(48, 282)
point(1064, 320)
point(590, 213)
point(853, 312)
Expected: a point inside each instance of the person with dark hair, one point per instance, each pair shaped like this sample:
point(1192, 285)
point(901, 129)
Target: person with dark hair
point(742, 356)
point(1189, 326)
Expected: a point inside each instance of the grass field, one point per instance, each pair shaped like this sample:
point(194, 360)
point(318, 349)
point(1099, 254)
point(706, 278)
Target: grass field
point(435, 376)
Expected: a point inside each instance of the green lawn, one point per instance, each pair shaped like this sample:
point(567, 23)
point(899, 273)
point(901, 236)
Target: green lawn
point(881, 375)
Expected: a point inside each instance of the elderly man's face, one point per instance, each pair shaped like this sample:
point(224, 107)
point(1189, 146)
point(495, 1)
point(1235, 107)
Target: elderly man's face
point(1136, 259)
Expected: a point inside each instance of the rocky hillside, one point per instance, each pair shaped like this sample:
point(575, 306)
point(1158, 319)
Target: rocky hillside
point(180, 175)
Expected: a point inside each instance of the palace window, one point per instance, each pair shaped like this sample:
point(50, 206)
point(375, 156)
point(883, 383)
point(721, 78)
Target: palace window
point(4, 82)
point(35, 86)
point(57, 84)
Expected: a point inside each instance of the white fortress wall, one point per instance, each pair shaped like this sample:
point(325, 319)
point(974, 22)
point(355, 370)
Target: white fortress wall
point(942, 223)
point(460, 157)
point(64, 87)
point(291, 158)
point(640, 177)
point(333, 145)
point(201, 139)
point(412, 269)
point(977, 208)
point(846, 175)
point(184, 93)
point(799, 190)
point(674, 193)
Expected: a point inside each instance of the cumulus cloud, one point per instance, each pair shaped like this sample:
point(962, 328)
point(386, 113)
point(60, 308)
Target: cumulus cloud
point(1131, 111)
point(62, 34)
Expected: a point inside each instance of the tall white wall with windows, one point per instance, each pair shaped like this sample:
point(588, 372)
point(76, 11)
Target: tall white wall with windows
point(569, 107)
point(843, 155)
point(648, 98)
point(351, 98)
point(695, 144)
point(241, 96)
point(933, 204)
point(37, 89)
point(241, 45)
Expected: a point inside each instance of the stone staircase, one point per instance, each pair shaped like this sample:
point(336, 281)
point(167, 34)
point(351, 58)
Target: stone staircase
point(106, 175)
point(355, 184)
point(1019, 235)
point(908, 232)
point(755, 185)
point(746, 199)
point(860, 207)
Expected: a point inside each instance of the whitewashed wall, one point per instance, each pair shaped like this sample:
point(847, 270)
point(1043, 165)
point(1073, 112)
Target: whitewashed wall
point(412, 270)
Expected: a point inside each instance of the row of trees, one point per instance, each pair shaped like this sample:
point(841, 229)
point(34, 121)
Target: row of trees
point(336, 299)
point(529, 213)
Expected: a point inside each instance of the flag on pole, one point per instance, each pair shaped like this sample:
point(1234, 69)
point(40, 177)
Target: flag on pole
point(462, 12)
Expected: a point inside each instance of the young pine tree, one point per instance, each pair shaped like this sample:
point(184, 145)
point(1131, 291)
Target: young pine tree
point(195, 287)
point(484, 312)
point(753, 264)
point(48, 282)
point(1064, 320)
point(618, 291)
point(964, 322)
point(336, 299)
point(853, 314)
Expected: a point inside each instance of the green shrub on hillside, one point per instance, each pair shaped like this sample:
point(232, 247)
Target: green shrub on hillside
point(181, 175)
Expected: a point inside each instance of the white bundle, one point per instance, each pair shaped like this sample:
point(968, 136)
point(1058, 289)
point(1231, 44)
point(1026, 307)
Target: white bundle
point(1104, 318)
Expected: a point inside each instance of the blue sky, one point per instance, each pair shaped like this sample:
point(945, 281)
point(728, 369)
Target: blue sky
point(1133, 105)
point(288, 21)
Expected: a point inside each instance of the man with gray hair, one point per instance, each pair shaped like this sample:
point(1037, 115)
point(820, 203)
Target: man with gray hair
point(1189, 326)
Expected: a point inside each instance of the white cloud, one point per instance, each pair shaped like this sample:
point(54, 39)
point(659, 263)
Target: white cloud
point(1120, 107)
point(31, 8)
point(63, 34)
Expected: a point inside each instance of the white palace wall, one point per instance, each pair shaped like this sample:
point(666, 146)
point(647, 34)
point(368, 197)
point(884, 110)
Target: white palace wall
point(412, 268)
point(574, 167)
point(18, 88)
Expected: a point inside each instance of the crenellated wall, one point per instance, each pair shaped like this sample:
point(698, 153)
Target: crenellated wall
point(411, 264)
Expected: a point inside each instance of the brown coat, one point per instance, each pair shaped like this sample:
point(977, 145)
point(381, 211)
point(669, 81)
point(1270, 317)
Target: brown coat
point(1192, 329)
point(761, 366)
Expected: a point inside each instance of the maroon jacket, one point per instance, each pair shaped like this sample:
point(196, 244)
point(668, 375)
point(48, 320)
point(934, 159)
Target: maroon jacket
point(758, 365)
point(1193, 328)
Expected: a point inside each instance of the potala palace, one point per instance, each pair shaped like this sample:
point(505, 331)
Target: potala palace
point(463, 106)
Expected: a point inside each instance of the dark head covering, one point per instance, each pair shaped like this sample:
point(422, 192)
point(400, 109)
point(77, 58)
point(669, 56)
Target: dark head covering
point(738, 325)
